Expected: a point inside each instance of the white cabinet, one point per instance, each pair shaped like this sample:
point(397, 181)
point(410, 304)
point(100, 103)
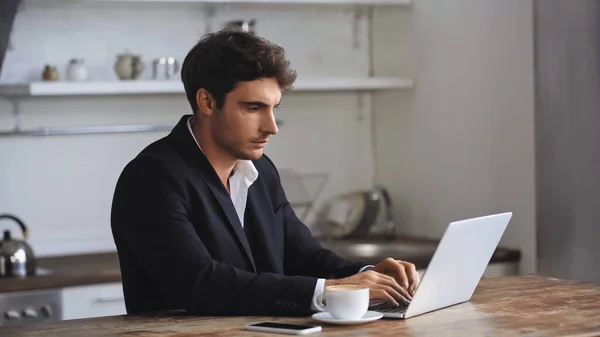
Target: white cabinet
point(93, 301)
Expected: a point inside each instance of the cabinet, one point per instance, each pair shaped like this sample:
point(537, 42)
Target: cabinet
point(93, 301)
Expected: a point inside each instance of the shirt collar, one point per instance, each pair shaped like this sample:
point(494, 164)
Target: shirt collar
point(244, 167)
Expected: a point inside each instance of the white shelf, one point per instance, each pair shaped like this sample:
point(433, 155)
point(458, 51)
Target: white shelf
point(176, 87)
point(276, 2)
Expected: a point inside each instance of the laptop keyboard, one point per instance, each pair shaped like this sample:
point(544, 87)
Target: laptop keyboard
point(388, 308)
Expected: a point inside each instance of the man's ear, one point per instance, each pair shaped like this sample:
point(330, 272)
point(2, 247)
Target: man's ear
point(206, 102)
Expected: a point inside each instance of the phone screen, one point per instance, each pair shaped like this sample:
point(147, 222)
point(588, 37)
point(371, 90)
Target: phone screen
point(283, 326)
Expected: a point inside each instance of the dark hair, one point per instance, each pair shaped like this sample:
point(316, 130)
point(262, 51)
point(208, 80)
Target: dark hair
point(220, 60)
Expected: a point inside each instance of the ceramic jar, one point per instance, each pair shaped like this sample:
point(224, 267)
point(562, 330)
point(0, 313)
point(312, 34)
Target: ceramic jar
point(128, 66)
point(50, 73)
point(76, 71)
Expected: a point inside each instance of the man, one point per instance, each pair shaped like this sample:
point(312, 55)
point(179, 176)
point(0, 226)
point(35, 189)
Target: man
point(200, 219)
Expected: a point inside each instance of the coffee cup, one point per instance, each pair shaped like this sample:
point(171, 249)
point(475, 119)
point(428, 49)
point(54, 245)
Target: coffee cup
point(347, 302)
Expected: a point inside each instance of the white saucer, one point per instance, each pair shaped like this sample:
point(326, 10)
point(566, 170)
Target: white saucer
point(369, 316)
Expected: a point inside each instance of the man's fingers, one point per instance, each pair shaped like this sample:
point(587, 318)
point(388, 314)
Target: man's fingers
point(404, 280)
point(388, 284)
point(418, 281)
point(411, 275)
point(390, 281)
point(400, 298)
point(390, 291)
point(413, 288)
point(396, 269)
point(379, 294)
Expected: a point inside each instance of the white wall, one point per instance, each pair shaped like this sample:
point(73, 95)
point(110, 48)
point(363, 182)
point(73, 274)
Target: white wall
point(462, 144)
point(62, 185)
point(459, 145)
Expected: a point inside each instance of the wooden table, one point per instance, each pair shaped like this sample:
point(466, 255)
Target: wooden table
point(508, 306)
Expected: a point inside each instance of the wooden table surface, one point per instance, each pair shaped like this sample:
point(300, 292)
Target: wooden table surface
point(507, 306)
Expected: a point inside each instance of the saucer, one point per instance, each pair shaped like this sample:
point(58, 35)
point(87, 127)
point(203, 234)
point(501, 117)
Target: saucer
point(326, 317)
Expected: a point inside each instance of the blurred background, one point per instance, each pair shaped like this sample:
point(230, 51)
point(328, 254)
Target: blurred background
point(407, 115)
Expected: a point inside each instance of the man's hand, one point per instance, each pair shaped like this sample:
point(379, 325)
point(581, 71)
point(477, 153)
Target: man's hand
point(404, 272)
point(381, 286)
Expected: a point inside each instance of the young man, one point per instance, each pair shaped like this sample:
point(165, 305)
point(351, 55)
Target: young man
point(200, 219)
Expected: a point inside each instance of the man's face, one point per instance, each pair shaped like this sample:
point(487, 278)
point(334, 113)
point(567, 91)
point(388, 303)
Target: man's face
point(243, 125)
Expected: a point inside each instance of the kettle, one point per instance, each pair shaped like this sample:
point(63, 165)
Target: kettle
point(16, 256)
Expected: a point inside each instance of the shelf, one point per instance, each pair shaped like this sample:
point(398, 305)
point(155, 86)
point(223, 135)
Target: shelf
point(274, 2)
point(175, 87)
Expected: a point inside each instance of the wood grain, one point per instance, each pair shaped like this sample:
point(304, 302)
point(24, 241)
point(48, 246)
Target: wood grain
point(75, 270)
point(508, 306)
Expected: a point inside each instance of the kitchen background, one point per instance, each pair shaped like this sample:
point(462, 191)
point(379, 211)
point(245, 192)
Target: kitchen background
point(452, 138)
point(441, 148)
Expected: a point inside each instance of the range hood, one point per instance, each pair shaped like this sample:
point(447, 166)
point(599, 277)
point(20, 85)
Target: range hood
point(8, 11)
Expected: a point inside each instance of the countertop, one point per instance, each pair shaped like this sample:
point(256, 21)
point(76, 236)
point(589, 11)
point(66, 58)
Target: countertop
point(79, 270)
point(506, 306)
point(67, 271)
point(417, 250)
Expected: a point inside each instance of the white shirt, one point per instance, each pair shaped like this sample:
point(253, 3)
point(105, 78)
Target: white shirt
point(244, 175)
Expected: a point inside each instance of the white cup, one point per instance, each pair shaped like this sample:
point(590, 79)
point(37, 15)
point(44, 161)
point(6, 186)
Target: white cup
point(348, 302)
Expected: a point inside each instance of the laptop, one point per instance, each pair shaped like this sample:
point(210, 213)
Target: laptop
point(458, 264)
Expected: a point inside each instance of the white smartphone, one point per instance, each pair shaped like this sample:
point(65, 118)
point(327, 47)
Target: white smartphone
point(290, 329)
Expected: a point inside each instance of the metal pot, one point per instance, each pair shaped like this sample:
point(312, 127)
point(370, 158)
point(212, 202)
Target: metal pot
point(16, 256)
point(357, 213)
point(377, 202)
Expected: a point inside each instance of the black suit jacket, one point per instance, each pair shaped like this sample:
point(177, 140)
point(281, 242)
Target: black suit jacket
point(181, 244)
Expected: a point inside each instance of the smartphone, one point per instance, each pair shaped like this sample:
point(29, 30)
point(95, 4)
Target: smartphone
point(290, 329)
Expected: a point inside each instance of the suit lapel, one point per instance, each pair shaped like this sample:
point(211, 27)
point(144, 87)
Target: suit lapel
point(224, 200)
point(262, 215)
point(183, 142)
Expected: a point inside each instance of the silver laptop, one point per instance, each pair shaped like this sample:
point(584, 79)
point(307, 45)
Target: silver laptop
point(458, 264)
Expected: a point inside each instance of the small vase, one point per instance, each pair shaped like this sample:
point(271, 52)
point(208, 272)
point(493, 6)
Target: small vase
point(77, 71)
point(128, 66)
point(50, 73)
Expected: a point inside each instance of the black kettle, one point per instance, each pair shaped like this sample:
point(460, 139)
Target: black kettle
point(16, 256)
